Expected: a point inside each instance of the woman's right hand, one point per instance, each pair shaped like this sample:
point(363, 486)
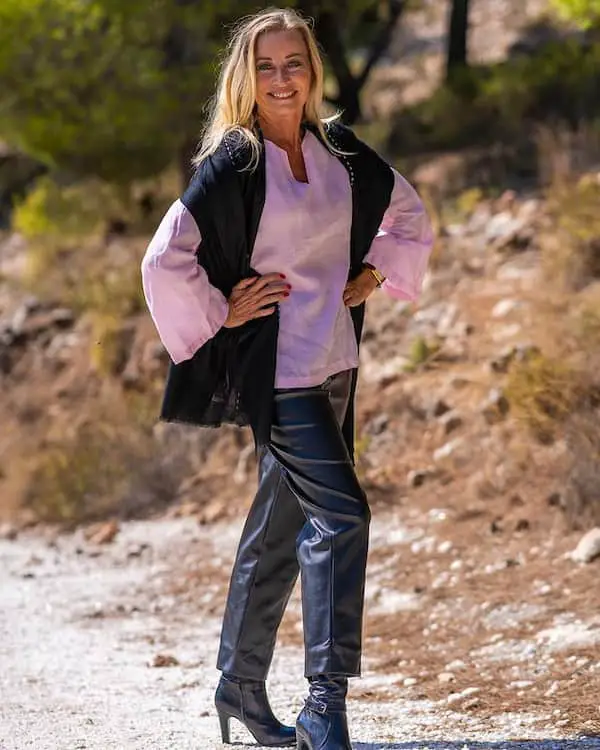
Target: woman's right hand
point(255, 297)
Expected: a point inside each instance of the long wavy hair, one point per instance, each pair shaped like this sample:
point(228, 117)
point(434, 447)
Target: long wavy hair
point(233, 107)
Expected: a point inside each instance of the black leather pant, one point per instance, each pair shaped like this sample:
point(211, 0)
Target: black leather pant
point(309, 514)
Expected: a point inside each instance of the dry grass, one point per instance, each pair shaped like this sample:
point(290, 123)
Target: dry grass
point(107, 463)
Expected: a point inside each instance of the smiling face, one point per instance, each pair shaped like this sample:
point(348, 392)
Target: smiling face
point(283, 74)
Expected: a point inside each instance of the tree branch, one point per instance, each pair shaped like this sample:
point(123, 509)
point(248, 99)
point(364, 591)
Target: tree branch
point(381, 43)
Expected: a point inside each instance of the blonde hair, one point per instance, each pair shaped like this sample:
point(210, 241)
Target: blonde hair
point(233, 106)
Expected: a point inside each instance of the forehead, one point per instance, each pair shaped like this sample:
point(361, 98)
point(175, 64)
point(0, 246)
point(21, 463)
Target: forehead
point(276, 44)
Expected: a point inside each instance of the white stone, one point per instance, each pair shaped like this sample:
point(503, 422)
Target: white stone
point(588, 548)
point(504, 307)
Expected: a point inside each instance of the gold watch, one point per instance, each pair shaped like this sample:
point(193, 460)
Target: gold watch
point(379, 277)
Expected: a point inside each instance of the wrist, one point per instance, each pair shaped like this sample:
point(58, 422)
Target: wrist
point(377, 275)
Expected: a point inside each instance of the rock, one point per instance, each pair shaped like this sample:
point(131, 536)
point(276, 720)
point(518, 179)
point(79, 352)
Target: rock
point(510, 354)
point(522, 525)
point(409, 681)
point(439, 408)
point(212, 512)
point(495, 408)
point(446, 321)
point(378, 424)
point(505, 332)
point(466, 693)
point(555, 500)
point(8, 532)
point(451, 421)
point(137, 550)
point(103, 533)
point(446, 677)
point(588, 548)
point(165, 660)
point(504, 307)
point(448, 450)
point(418, 477)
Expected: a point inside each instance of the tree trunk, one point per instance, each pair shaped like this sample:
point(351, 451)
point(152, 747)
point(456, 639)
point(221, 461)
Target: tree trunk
point(328, 32)
point(457, 58)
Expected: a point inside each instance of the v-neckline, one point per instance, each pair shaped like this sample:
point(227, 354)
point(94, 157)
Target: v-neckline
point(286, 158)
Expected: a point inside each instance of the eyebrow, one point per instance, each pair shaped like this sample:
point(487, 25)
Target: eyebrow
point(294, 54)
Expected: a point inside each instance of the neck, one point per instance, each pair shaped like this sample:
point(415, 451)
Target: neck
point(286, 132)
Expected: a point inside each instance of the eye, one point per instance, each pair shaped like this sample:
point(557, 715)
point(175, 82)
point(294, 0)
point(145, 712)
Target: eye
point(263, 66)
point(295, 64)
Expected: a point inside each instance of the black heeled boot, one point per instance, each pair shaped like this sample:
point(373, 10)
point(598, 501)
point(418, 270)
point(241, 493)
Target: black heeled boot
point(322, 723)
point(247, 702)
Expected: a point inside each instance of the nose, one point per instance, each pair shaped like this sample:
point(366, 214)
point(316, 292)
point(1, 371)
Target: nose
point(282, 75)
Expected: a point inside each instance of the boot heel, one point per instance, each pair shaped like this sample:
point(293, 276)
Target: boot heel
point(224, 723)
point(303, 742)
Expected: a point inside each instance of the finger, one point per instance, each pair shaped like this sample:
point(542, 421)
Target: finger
point(274, 288)
point(245, 283)
point(269, 278)
point(269, 296)
point(263, 312)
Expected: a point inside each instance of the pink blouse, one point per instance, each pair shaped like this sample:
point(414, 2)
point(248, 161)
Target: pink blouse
point(304, 232)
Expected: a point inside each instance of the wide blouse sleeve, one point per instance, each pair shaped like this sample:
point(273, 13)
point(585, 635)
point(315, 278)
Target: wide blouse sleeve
point(186, 309)
point(401, 249)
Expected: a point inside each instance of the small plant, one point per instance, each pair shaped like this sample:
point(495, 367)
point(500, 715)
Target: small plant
point(542, 392)
point(421, 352)
point(468, 201)
point(571, 256)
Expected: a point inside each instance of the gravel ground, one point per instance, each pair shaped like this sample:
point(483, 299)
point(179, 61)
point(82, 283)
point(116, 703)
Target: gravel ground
point(82, 627)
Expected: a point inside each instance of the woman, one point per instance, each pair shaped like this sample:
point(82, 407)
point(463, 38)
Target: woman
point(256, 280)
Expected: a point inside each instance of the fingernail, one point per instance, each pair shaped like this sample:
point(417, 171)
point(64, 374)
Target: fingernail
point(283, 276)
point(286, 294)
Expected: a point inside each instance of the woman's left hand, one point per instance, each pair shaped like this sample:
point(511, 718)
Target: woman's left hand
point(357, 290)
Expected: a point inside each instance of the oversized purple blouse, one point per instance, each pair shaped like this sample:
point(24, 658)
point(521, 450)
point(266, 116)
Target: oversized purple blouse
point(304, 232)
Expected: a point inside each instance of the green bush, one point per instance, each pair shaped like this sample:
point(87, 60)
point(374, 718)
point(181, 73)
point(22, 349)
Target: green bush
point(485, 104)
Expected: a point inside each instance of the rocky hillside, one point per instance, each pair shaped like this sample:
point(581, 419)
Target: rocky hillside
point(449, 400)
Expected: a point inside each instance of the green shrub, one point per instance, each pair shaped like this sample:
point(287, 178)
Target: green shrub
point(487, 104)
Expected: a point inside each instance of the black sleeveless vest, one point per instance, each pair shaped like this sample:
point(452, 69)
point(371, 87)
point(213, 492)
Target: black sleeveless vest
point(230, 379)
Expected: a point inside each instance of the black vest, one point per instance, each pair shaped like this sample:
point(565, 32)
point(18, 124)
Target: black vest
point(231, 377)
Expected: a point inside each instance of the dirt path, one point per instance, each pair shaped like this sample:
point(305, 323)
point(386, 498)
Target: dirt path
point(84, 627)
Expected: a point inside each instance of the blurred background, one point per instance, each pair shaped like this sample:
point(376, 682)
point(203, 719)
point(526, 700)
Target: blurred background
point(478, 408)
point(490, 107)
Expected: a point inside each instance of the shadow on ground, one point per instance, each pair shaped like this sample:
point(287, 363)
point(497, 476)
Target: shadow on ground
point(588, 743)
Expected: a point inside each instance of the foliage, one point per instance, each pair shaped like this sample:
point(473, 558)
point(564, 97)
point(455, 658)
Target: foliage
point(503, 102)
point(102, 88)
point(542, 391)
point(70, 213)
point(115, 90)
point(571, 254)
point(584, 12)
point(421, 352)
